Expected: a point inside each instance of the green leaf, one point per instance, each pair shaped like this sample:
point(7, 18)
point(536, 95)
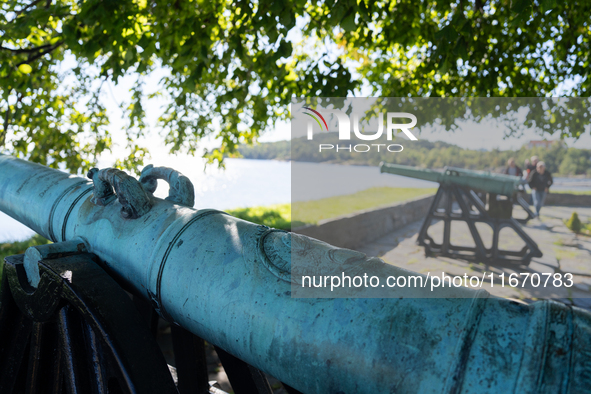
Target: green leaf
point(547, 5)
point(460, 49)
point(25, 68)
point(519, 6)
point(285, 49)
point(348, 23)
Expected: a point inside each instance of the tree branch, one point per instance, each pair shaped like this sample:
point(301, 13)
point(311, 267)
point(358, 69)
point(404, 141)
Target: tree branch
point(27, 7)
point(479, 5)
point(38, 55)
point(26, 50)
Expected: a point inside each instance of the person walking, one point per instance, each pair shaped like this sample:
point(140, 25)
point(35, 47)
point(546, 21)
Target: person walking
point(512, 168)
point(531, 166)
point(539, 181)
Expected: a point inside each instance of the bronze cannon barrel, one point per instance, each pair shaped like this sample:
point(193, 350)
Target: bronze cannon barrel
point(229, 281)
point(481, 180)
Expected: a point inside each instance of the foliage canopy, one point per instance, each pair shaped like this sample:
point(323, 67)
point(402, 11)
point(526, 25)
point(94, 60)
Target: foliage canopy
point(231, 67)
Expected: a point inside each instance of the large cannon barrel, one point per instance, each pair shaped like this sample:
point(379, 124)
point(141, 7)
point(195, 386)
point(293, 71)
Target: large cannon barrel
point(480, 180)
point(228, 281)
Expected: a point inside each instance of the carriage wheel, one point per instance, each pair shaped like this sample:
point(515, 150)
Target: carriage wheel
point(77, 332)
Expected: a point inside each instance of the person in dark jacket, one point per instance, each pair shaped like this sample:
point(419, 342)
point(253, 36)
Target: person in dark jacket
point(513, 169)
point(540, 181)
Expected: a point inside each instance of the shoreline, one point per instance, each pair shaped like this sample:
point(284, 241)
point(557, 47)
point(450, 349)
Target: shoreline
point(349, 163)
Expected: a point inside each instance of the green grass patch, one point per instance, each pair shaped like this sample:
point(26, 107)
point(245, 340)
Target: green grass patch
point(563, 254)
point(311, 212)
point(577, 226)
point(584, 192)
point(277, 216)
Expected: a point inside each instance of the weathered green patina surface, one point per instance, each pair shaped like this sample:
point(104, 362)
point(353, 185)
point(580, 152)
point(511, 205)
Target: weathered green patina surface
point(481, 180)
point(229, 281)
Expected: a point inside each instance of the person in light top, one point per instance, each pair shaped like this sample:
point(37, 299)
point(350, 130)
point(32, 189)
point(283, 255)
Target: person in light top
point(512, 168)
point(540, 181)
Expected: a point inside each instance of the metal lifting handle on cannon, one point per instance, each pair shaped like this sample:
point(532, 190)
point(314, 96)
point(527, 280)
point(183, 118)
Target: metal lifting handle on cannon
point(458, 200)
point(67, 326)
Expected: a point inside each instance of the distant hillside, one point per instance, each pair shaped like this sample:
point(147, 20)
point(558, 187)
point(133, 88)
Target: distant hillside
point(427, 154)
point(280, 150)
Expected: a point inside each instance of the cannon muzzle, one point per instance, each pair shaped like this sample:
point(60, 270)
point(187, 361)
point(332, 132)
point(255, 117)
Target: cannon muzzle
point(229, 281)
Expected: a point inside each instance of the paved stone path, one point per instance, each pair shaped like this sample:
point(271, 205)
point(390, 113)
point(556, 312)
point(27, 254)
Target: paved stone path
point(563, 253)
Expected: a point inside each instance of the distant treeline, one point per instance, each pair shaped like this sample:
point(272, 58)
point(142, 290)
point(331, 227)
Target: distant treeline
point(559, 159)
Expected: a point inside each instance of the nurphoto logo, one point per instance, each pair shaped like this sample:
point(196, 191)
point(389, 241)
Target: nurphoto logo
point(344, 127)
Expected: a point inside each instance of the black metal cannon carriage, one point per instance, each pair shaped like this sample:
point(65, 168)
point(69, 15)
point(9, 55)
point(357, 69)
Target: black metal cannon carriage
point(462, 198)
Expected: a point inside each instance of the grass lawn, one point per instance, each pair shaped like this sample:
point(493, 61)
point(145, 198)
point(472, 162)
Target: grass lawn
point(310, 212)
point(284, 216)
point(278, 216)
point(585, 192)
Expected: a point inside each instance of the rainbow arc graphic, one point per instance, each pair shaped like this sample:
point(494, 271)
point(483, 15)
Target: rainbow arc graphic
point(317, 117)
